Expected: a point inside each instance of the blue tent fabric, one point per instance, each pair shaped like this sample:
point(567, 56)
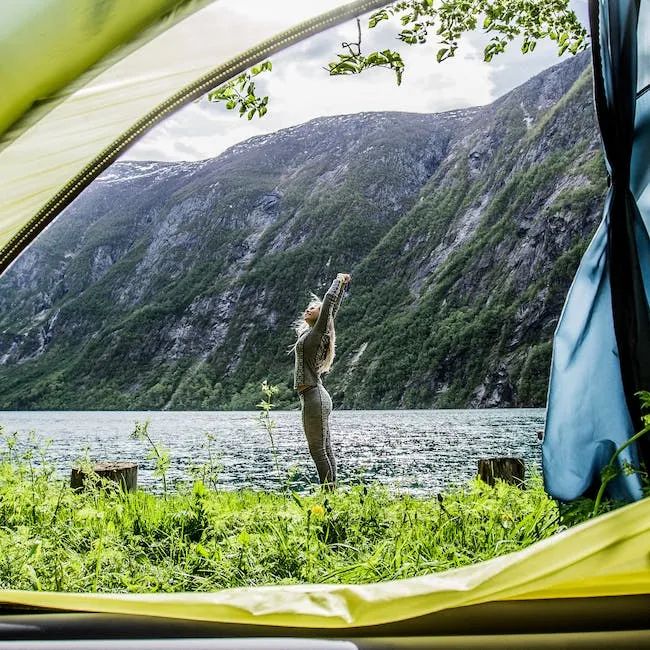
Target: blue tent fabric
point(601, 350)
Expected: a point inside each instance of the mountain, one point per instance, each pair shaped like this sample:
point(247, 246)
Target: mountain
point(173, 285)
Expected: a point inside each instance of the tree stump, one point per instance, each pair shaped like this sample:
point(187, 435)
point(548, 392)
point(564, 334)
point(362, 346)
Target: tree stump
point(125, 475)
point(510, 470)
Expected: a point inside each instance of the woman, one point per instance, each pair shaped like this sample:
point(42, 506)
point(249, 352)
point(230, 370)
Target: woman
point(314, 353)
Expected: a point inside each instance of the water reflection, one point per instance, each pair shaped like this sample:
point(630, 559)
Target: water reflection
point(418, 451)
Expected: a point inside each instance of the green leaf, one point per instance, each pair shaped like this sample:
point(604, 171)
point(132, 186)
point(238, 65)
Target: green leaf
point(376, 58)
point(343, 67)
point(202, 551)
point(377, 18)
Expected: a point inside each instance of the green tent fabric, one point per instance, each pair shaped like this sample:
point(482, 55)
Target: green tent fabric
point(67, 118)
point(50, 47)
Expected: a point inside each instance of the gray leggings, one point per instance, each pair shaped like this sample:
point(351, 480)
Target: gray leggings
point(316, 407)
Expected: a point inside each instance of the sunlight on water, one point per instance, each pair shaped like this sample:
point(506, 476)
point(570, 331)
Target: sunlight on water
point(418, 451)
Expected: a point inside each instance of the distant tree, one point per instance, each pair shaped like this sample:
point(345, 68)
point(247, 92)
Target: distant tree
point(444, 20)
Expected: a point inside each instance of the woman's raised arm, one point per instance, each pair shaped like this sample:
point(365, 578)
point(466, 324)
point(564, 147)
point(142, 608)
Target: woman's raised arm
point(331, 302)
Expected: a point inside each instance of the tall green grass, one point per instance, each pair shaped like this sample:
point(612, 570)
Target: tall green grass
point(200, 539)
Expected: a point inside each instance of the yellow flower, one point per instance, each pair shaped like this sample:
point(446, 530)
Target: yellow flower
point(317, 511)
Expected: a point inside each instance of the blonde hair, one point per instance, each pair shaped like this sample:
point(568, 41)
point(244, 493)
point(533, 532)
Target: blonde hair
point(300, 326)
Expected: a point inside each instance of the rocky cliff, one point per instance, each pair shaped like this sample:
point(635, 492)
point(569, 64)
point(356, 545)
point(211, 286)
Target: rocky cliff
point(173, 285)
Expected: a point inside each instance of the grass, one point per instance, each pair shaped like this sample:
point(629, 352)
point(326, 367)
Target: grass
point(199, 539)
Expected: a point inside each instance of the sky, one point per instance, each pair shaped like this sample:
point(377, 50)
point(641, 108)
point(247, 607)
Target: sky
point(300, 89)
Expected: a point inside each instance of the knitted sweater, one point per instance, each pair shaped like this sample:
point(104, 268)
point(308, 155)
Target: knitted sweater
point(311, 347)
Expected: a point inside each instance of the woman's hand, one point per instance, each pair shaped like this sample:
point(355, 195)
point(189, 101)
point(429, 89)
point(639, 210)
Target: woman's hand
point(345, 277)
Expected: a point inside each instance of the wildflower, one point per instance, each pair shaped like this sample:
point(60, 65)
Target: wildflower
point(317, 511)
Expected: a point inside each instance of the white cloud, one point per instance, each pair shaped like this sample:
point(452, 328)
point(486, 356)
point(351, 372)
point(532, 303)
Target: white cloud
point(300, 89)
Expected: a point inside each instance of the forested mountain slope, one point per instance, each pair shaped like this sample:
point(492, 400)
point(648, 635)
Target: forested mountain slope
point(173, 285)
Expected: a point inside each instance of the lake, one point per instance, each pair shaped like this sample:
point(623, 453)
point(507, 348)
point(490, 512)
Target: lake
point(416, 451)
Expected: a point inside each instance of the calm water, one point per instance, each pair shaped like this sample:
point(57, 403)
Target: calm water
point(418, 451)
